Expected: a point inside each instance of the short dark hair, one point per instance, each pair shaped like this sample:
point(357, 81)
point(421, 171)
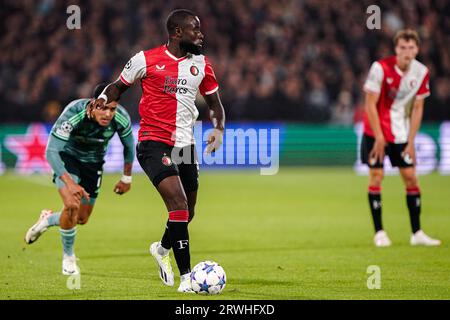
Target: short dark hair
point(177, 18)
point(407, 34)
point(99, 89)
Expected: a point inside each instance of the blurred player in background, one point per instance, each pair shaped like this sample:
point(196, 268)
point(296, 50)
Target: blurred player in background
point(396, 88)
point(170, 77)
point(76, 150)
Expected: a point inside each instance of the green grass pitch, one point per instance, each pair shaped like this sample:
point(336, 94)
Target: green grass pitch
point(301, 234)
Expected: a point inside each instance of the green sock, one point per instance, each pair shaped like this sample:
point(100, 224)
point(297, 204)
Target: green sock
point(68, 239)
point(53, 220)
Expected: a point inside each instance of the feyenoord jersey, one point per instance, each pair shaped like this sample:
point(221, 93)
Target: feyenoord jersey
point(397, 91)
point(169, 88)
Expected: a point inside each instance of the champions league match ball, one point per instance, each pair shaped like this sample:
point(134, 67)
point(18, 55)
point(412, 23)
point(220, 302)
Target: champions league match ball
point(208, 277)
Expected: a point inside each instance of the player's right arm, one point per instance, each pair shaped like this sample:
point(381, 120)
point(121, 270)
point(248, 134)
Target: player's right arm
point(372, 87)
point(377, 151)
point(135, 69)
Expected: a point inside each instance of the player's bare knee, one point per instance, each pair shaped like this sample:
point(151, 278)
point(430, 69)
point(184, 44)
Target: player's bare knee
point(82, 221)
point(178, 203)
point(72, 207)
point(376, 178)
point(411, 182)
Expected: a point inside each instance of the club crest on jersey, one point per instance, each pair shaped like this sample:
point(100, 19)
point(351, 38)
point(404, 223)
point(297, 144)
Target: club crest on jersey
point(166, 161)
point(412, 83)
point(194, 70)
point(389, 80)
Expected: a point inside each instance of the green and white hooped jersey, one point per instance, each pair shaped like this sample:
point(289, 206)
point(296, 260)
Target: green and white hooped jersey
point(86, 139)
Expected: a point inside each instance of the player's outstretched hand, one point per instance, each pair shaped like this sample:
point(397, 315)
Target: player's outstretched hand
point(214, 141)
point(121, 187)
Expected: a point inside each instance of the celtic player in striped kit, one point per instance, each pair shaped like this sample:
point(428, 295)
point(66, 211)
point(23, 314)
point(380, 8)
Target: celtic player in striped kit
point(76, 150)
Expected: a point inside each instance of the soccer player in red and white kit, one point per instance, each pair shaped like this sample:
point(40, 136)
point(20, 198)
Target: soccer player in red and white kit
point(170, 77)
point(396, 88)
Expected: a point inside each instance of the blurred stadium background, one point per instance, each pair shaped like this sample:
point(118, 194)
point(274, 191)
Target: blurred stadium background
point(299, 63)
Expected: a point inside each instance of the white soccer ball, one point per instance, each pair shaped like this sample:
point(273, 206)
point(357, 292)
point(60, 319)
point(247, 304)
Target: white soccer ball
point(208, 277)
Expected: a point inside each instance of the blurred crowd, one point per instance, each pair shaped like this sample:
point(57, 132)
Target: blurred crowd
point(303, 60)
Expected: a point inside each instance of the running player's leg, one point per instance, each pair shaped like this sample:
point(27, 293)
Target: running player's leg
point(68, 222)
point(154, 158)
point(414, 203)
point(165, 241)
point(172, 192)
point(84, 213)
point(48, 218)
point(188, 173)
point(77, 211)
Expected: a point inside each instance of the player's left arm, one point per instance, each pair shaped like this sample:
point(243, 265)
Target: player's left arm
point(415, 122)
point(209, 89)
point(416, 116)
point(217, 116)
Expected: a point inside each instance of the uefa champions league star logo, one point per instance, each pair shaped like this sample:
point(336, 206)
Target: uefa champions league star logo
point(374, 279)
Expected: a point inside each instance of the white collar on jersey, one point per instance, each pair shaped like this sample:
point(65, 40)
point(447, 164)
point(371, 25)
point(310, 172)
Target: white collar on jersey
point(398, 70)
point(172, 56)
point(403, 73)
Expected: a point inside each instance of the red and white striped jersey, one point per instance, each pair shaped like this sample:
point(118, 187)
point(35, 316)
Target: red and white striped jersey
point(169, 88)
point(397, 91)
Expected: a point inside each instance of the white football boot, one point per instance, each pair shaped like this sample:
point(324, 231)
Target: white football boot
point(381, 239)
point(163, 261)
point(38, 228)
point(69, 265)
point(185, 284)
point(421, 239)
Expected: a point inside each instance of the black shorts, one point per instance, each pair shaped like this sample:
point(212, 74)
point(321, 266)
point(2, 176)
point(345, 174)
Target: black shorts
point(89, 174)
point(393, 150)
point(159, 161)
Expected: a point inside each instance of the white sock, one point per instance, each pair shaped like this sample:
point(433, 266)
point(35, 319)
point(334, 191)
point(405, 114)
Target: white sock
point(162, 251)
point(185, 276)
